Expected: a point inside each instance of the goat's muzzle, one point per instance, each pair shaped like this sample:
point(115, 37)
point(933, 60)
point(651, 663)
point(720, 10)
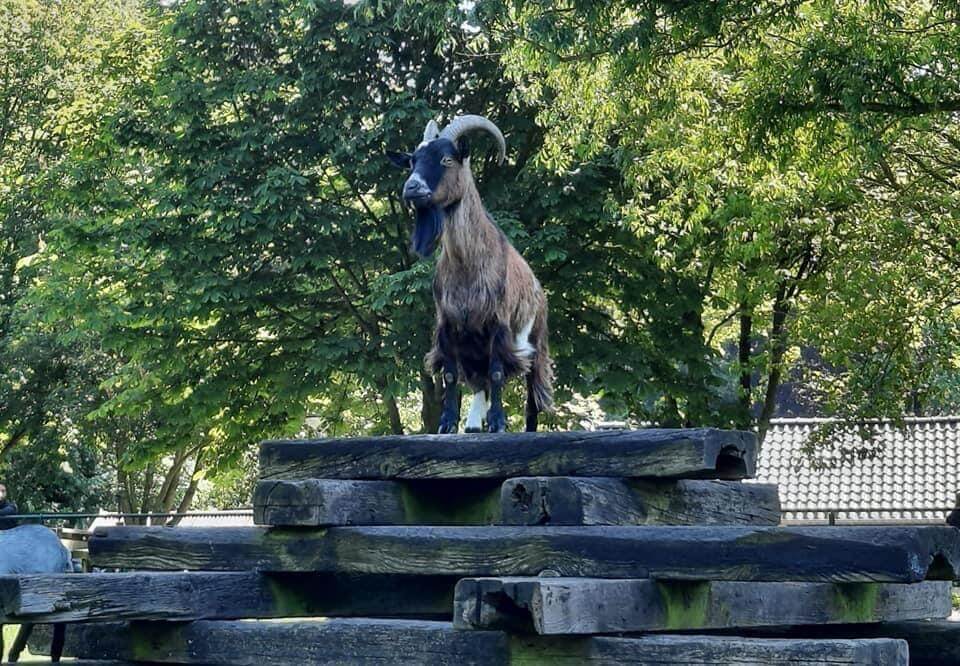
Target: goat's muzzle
point(416, 192)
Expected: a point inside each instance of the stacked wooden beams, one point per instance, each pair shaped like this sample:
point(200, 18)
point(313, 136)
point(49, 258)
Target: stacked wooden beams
point(503, 549)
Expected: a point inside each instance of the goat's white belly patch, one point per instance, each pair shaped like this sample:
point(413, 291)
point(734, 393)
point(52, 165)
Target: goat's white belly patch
point(478, 409)
point(521, 342)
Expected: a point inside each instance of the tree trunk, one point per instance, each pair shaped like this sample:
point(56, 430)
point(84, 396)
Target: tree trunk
point(778, 349)
point(12, 442)
point(432, 402)
point(187, 500)
point(746, 374)
point(396, 425)
point(146, 498)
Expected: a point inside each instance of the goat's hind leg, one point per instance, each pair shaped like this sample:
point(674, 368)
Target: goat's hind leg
point(532, 411)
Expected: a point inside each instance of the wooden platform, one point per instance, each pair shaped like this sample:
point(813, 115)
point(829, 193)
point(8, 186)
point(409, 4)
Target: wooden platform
point(932, 642)
point(549, 548)
point(607, 501)
point(419, 642)
point(565, 606)
point(519, 501)
point(220, 595)
point(837, 554)
point(688, 453)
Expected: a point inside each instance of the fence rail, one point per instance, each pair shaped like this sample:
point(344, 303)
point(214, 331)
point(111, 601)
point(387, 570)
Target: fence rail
point(832, 513)
point(76, 517)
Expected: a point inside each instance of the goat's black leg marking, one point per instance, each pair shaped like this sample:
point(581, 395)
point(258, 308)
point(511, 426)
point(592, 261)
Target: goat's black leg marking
point(20, 642)
point(59, 638)
point(450, 416)
point(532, 410)
point(496, 418)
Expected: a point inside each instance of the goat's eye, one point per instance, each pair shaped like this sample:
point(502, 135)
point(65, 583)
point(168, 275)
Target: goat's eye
point(447, 161)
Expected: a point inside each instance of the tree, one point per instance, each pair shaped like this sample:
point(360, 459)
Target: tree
point(50, 64)
point(791, 158)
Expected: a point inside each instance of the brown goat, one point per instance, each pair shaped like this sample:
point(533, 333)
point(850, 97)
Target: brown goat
point(491, 310)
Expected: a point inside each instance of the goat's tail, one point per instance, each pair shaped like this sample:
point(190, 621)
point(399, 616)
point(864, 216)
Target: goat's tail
point(541, 369)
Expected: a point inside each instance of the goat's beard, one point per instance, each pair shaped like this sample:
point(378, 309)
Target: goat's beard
point(427, 229)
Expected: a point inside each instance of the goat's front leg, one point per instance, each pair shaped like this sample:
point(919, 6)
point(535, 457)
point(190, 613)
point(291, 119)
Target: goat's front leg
point(450, 416)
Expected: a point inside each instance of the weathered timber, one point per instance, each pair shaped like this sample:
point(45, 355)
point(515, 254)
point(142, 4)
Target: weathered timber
point(321, 502)
point(602, 606)
point(836, 554)
point(545, 500)
point(701, 453)
point(932, 642)
point(437, 643)
point(540, 500)
point(219, 595)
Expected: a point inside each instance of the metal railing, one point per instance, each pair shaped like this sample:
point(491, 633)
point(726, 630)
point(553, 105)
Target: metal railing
point(148, 518)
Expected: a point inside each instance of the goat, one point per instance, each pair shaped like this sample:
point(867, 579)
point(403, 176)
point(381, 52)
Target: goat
point(491, 312)
point(32, 549)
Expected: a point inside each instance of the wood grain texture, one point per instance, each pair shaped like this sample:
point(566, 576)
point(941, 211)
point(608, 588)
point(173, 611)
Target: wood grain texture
point(561, 606)
point(617, 453)
point(834, 554)
point(437, 643)
point(332, 502)
point(540, 500)
point(932, 642)
point(548, 500)
point(221, 595)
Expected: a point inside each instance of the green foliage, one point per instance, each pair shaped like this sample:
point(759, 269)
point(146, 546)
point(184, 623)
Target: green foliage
point(796, 160)
point(51, 455)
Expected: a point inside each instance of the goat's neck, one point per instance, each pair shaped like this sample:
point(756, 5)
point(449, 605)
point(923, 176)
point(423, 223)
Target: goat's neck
point(469, 238)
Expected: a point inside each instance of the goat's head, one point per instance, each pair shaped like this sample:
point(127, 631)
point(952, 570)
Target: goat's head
point(439, 171)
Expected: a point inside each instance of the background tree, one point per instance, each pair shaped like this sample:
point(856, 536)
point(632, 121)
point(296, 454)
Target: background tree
point(793, 159)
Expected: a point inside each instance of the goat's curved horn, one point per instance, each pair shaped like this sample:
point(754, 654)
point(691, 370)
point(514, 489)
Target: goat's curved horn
point(463, 124)
point(432, 131)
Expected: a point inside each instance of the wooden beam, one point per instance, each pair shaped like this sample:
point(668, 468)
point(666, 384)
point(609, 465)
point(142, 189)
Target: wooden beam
point(618, 453)
point(221, 595)
point(339, 641)
point(540, 500)
point(547, 500)
point(601, 606)
point(837, 554)
point(322, 502)
point(932, 642)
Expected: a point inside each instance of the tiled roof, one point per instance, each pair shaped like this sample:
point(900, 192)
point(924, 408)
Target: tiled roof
point(913, 476)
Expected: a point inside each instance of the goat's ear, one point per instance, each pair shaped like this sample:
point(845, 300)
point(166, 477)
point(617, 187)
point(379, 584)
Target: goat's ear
point(401, 160)
point(463, 147)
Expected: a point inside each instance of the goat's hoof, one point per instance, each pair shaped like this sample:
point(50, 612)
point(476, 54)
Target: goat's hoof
point(497, 424)
point(473, 430)
point(447, 428)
